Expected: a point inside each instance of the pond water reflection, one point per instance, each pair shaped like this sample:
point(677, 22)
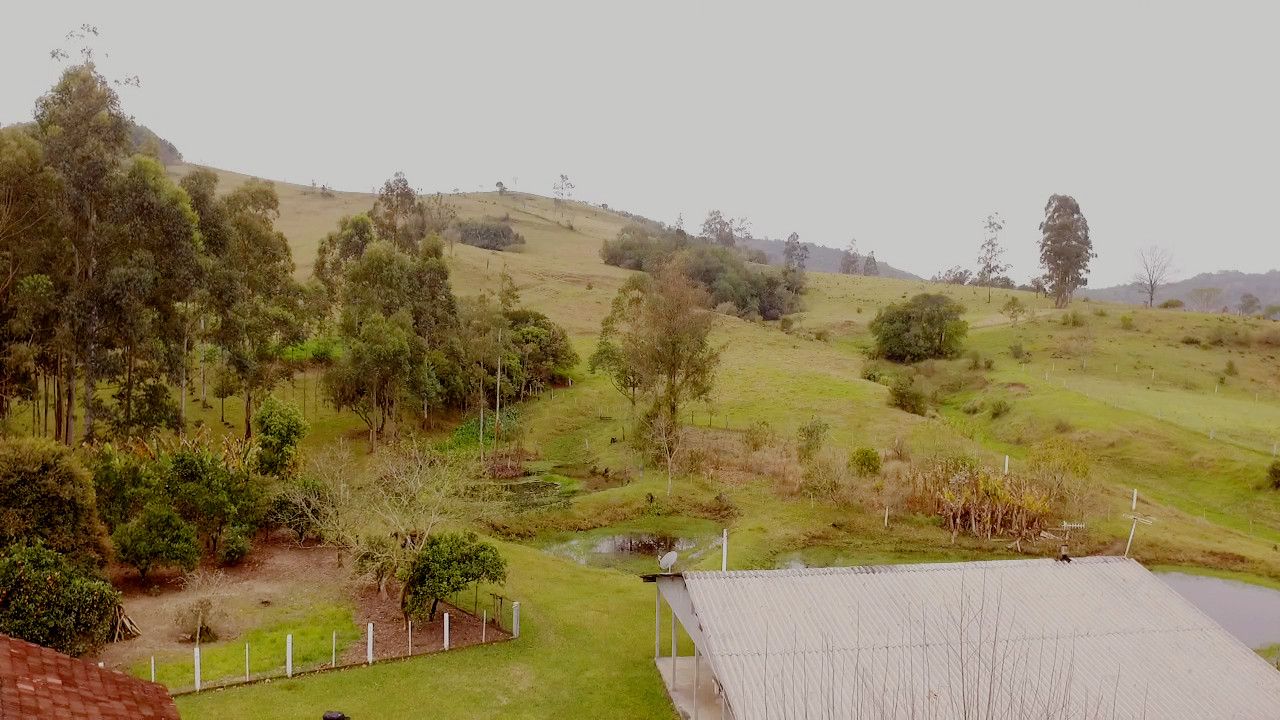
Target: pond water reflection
point(1249, 612)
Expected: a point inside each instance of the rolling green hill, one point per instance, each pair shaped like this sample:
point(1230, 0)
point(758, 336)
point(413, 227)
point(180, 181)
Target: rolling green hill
point(1147, 393)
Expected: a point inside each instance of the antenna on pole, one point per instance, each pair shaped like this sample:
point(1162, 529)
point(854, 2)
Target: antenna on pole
point(1136, 518)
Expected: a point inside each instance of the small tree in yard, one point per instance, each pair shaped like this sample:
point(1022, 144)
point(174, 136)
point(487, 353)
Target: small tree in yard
point(47, 600)
point(864, 461)
point(157, 537)
point(926, 326)
point(47, 496)
point(280, 428)
point(444, 565)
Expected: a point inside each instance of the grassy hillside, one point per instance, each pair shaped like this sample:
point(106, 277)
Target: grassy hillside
point(1193, 437)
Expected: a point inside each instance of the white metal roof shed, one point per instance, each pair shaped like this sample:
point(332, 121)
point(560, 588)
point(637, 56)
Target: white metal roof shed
point(1096, 638)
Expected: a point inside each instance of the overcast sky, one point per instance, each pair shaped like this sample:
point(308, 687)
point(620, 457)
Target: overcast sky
point(899, 124)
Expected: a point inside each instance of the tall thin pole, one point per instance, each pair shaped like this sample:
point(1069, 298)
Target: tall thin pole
point(724, 550)
point(657, 621)
point(1132, 528)
point(497, 396)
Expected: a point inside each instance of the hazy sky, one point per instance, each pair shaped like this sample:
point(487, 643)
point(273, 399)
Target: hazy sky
point(900, 124)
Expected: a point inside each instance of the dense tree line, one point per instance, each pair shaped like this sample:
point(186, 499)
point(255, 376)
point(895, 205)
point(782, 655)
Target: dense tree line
point(716, 265)
point(113, 274)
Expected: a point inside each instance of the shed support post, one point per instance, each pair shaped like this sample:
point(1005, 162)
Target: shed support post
point(673, 648)
point(657, 621)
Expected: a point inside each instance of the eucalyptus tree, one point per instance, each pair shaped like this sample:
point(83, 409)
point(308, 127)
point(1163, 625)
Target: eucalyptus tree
point(85, 135)
point(1065, 248)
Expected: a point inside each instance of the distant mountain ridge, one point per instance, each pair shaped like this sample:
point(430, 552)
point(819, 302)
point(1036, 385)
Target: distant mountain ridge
point(821, 257)
point(1232, 283)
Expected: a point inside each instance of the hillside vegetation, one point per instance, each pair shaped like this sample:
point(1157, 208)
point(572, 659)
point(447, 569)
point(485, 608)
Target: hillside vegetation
point(1184, 407)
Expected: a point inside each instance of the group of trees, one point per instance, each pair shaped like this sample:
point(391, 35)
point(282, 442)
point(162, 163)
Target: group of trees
point(731, 279)
point(409, 346)
point(853, 263)
point(113, 274)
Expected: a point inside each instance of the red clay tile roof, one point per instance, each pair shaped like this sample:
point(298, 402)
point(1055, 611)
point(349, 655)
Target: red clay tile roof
point(37, 683)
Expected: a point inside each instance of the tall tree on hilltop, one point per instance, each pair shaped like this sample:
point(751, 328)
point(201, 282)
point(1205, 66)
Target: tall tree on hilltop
point(1155, 265)
point(990, 265)
point(850, 260)
point(795, 254)
point(85, 135)
point(870, 266)
point(1065, 248)
point(393, 210)
point(1249, 304)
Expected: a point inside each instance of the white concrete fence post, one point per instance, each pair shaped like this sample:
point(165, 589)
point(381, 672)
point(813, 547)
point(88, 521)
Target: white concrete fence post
point(246, 662)
point(724, 550)
point(333, 662)
point(484, 624)
point(153, 668)
point(288, 655)
point(410, 637)
point(197, 668)
point(368, 650)
point(515, 619)
point(1006, 464)
point(446, 631)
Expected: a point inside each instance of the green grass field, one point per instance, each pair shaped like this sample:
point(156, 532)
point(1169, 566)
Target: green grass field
point(1194, 440)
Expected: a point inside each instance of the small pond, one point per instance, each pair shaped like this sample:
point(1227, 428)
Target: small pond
point(1249, 612)
point(635, 551)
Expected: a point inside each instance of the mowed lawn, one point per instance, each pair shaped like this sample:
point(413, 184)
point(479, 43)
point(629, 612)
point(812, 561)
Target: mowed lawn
point(585, 650)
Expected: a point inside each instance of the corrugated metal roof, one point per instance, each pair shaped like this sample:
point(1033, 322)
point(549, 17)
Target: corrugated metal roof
point(1095, 638)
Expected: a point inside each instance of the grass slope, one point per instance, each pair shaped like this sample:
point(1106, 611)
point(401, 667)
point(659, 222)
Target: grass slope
point(586, 643)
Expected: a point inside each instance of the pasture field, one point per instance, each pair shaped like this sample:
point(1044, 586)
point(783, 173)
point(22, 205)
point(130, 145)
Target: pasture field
point(1148, 393)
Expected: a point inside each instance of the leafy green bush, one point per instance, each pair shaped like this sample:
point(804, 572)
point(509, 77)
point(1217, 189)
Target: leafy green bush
point(447, 563)
point(280, 428)
point(124, 482)
point(1126, 322)
point(864, 462)
point(926, 326)
point(46, 495)
point(47, 600)
point(1172, 304)
point(973, 407)
point(1190, 340)
point(810, 437)
point(1231, 369)
point(1019, 353)
point(1073, 319)
point(1273, 475)
point(758, 434)
point(1000, 408)
point(157, 537)
point(235, 546)
point(819, 480)
point(488, 235)
point(905, 395)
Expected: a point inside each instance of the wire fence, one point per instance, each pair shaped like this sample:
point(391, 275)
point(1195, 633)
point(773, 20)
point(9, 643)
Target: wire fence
point(316, 650)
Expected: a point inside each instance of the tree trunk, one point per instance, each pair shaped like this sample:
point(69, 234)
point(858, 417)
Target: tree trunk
point(248, 414)
point(69, 431)
point(128, 386)
point(182, 402)
point(58, 423)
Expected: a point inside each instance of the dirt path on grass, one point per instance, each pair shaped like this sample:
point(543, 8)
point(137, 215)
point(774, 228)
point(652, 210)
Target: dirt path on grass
point(277, 577)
